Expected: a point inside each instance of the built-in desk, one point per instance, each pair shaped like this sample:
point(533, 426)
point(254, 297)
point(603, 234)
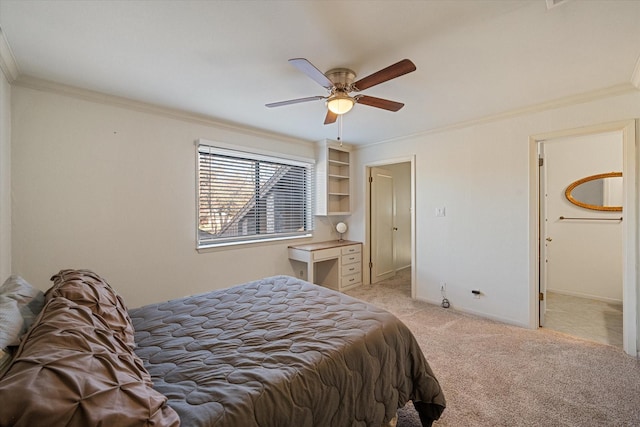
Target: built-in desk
point(336, 264)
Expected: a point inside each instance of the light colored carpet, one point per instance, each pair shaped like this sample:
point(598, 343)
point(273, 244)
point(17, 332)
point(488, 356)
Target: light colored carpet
point(495, 374)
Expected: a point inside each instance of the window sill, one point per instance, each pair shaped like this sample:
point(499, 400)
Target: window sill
point(212, 247)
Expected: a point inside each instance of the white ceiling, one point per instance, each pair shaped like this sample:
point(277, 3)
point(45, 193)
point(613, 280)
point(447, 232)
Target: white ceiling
point(226, 59)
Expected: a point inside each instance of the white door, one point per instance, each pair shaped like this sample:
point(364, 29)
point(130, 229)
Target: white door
point(382, 225)
point(580, 249)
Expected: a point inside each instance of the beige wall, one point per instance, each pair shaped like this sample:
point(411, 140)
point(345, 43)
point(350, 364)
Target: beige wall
point(481, 175)
point(113, 189)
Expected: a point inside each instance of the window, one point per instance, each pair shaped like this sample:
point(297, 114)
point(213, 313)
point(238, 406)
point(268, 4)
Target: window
point(245, 197)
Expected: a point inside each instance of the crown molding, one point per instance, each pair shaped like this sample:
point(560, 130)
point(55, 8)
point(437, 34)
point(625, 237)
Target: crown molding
point(35, 83)
point(594, 95)
point(8, 62)
point(94, 96)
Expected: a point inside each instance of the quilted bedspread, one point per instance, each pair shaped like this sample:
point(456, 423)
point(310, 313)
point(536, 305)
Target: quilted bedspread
point(283, 352)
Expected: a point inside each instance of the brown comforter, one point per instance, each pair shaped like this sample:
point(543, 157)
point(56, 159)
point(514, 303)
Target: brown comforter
point(283, 352)
point(76, 367)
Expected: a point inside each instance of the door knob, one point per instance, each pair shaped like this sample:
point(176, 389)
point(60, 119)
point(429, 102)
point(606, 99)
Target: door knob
point(548, 239)
point(395, 228)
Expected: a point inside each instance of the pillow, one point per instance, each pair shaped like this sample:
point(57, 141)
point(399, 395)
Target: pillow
point(11, 322)
point(73, 370)
point(20, 303)
point(90, 290)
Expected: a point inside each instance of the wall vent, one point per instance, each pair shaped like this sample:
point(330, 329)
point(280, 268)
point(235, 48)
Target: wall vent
point(553, 3)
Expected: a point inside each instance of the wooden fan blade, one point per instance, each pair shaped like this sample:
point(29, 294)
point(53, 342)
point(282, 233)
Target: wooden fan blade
point(294, 101)
point(310, 70)
point(330, 118)
point(385, 104)
point(391, 72)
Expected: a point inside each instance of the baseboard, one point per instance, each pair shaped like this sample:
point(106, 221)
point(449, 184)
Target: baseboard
point(477, 313)
point(581, 295)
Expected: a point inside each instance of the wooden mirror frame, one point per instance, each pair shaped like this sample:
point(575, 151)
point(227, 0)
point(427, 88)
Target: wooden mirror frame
point(573, 185)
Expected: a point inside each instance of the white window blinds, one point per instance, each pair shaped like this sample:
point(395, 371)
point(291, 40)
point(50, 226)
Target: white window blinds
point(245, 197)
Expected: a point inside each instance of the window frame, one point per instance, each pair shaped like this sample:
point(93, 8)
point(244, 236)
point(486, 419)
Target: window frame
point(202, 146)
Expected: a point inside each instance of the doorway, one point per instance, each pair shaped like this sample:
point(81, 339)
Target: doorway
point(390, 221)
point(581, 245)
point(630, 227)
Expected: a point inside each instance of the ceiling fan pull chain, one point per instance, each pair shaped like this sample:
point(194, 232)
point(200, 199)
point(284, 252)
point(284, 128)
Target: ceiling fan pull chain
point(340, 129)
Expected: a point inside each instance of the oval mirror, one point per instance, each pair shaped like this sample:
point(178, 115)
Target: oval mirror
point(601, 192)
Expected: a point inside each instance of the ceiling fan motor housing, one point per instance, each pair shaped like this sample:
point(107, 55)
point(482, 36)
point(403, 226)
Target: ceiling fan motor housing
point(342, 78)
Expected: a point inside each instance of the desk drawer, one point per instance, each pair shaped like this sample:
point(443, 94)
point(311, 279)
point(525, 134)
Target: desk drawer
point(351, 280)
point(351, 269)
point(351, 249)
point(350, 259)
point(326, 254)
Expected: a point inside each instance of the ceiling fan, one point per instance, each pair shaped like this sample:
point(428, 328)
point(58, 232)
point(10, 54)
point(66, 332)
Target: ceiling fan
point(340, 83)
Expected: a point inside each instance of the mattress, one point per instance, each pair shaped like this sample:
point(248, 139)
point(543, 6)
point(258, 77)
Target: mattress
point(283, 352)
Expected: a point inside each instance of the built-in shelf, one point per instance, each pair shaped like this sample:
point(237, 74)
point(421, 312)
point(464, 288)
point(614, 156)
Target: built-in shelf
point(333, 179)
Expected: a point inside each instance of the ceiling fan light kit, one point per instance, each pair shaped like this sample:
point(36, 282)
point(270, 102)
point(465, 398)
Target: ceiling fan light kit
point(340, 103)
point(340, 83)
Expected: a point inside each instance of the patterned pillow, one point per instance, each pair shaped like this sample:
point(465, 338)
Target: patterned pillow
point(20, 303)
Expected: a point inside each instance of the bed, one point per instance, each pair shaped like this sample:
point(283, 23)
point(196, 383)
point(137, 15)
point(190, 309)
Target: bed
point(274, 352)
point(281, 351)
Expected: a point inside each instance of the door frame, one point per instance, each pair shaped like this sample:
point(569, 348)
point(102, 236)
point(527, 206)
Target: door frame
point(630, 130)
point(366, 278)
point(542, 251)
